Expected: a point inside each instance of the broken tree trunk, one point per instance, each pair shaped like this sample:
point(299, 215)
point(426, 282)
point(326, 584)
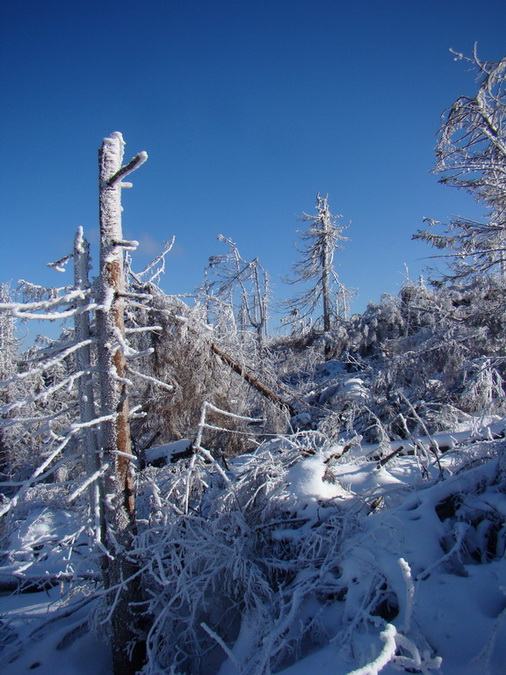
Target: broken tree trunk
point(252, 380)
point(119, 502)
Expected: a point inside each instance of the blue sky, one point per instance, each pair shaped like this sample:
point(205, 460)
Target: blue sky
point(247, 109)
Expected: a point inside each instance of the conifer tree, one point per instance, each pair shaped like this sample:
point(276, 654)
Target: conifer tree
point(471, 155)
point(322, 237)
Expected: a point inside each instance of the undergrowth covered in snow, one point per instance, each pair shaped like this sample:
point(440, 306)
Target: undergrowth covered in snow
point(304, 555)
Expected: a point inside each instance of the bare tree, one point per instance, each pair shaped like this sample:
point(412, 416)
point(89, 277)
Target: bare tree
point(241, 286)
point(471, 154)
point(9, 346)
point(94, 359)
point(323, 237)
point(119, 569)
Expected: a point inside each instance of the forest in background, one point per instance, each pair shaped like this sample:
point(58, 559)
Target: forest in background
point(164, 433)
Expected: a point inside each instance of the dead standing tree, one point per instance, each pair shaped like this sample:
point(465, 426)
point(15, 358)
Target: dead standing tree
point(119, 507)
point(316, 268)
point(241, 286)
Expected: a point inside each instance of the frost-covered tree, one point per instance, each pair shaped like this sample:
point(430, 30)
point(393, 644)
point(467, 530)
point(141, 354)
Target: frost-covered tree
point(471, 155)
point(322, 237)
point(238, 289)
point(54, 408)
point(9, 346)
point(112, 349)
point(38, 393)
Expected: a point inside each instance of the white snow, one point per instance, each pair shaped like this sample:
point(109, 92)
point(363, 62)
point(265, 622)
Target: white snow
point(166, 451)
point(307, 483)
point(450, 608)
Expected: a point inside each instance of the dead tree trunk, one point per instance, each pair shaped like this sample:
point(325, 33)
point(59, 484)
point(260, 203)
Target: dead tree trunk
point(87, 411)
point(119, 508)
point(252, 380)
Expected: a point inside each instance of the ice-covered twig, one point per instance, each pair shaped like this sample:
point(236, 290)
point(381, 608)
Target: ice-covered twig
point(71, 296)
point(227, 413)
point(35, 293)
point(67, 381)
point(131, 245)
point(143, 329)
point(35, 475)
point(91, 423)
point(129, 352)
point(54, 316)
point(125, 347)
point(127, 455)
point(43, 420)
point(91, 479)
point(59, 265)
point(151, 379)
point(159, 260)
point(132, 165)
point(49, 363)
point(432, 443)
point(210, 458)
point(222, 644)
point(384, 657)
point(269, 647)
point(421, 663)
point(186, 499)
point(231, 431)
point(130, 295)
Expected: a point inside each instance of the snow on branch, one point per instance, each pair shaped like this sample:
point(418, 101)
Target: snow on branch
point(134, 164)
point(158, 262)
point(410, 593)
point(54, 316)
point(91, 479)
point(227, 413)
point(143, 329)
point(222, 644)
point(131, 245)
point(385, 656)
point(203, 424)
point(151, 379)
point(49, 363)
point(59, 265)
point(127, 455)
point(66, 382)
point(76, 294)
point(36, 474)
point(91, 423)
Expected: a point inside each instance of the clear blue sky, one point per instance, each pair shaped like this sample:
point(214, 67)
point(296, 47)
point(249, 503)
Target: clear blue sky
point(247, 109)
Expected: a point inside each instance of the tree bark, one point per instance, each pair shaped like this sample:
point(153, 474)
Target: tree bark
point(119, 506)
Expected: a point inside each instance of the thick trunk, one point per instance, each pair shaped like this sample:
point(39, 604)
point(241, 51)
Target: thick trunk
point(115, 432)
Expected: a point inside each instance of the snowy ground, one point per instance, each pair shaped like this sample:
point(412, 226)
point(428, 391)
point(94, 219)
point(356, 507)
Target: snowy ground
point(49, 647)
point(423, 576)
